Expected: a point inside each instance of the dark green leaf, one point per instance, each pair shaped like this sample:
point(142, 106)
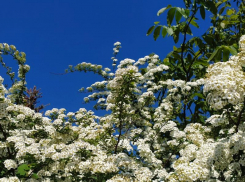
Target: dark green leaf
point(163, 9)
point(150, 30)
point(214, 53)
point(157, 32)
point(189, 30)
point(202, 12)
point(176, 35)
point(222, 10)
point(211, 6)
point(226, 53)
point(218, 56)
point(164, 31)
point(208, 39)
point(170, 16)
point(189, 57)
point(176, 55)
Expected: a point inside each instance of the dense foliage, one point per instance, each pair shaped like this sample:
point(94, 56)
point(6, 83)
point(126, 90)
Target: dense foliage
point(176, 119)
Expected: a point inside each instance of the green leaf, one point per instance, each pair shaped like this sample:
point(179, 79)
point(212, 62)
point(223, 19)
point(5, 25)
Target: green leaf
point(232, 50)
point(175, 48)
point(166, 60)
point(150, 30)
point(157, 32)
point(178, 15)
point(214, 53)
point(164, 31)
point(163, 9)
point(201, 62)
point(209, 39)
point(218, 3)
point(35, 176)
point(194, 23)
point(226, 53)
point(211, 6)
point(156, 22)
point(176, 35)
point(176, 55)
point(183, 12)
point(189, 31)
point(170, 16)
point(218, 56)
point(202, 12)
point(189, 57)
point(23, 169)
point(222, 10)
point(187, 12)
point(229, 12)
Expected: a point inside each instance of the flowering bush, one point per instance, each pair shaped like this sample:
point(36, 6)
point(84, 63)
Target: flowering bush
point(180, 119)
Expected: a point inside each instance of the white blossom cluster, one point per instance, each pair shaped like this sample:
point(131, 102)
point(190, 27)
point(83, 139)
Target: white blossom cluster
point(224, 83)
point(117, 46)
point(140, 139)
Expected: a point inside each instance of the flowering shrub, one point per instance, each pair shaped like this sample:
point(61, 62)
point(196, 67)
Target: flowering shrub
point(180, 119)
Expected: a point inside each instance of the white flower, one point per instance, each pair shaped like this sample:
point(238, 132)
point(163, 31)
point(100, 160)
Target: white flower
point(9, 163)
point(117, 43)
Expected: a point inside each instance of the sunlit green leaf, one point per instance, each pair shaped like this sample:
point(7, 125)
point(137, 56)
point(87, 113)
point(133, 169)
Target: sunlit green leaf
point(183, 12)
point(232, 50)
point(34, 176)
point(194, 23)
point(166, 60)
point(218, 3)
point(23, 169)
point(163, 9)
point(229, 12)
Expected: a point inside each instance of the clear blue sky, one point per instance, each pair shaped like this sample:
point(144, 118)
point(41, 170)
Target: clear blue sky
point(58, 33)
